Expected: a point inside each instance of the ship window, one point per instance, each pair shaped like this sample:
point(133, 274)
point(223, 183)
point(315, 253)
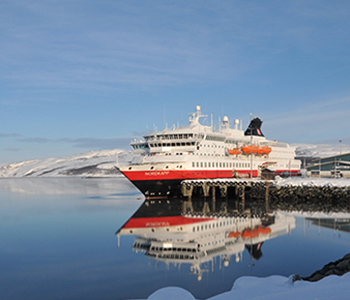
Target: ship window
point(178, 144)
point(201, 165)
point(130, 168)
point(152, 168)
point(167, 167)
point(193, 165)
point(172, 144)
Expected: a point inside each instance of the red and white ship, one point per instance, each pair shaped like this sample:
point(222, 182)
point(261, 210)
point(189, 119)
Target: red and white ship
point(198, 151)
point(166, 233)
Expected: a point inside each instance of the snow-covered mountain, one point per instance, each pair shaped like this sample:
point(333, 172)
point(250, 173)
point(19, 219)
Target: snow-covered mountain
point(318, 151)
point(93, 163)
point(102, 163)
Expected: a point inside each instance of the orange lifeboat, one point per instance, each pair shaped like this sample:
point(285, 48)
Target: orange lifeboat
point(250, 233)
point(264, 230)
point(254, 233)
point(264, 150)
point(234, 151)
point(234, 234)
point(250, 149)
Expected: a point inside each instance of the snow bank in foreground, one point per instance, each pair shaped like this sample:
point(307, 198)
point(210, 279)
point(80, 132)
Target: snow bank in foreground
point(271, 288)
point(299, 181)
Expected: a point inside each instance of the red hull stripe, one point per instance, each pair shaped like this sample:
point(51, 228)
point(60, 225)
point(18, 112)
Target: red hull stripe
point(162, 222)
point(291, 171)
point(182, 175)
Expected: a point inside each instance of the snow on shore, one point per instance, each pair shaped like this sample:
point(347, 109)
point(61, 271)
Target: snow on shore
point(300, 181)
point(271, 288)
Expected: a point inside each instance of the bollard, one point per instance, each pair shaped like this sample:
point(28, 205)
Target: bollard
point(186, 191)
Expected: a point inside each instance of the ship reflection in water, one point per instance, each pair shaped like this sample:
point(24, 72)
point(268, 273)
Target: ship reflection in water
point(197, 233)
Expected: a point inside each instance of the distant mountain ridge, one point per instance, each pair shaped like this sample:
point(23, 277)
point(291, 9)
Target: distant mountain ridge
point(102, 163)
point(318, 151)
point(94, 163)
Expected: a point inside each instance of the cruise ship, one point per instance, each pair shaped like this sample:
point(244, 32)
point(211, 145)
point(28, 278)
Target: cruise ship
point(177, 234)
point(198, 151)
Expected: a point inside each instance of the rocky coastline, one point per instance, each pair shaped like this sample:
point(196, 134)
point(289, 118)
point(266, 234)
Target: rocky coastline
point(339, 268)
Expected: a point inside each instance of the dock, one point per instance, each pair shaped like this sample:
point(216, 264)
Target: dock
point(258, 189)
point(224, 188)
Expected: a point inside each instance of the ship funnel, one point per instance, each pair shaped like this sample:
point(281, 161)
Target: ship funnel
point(254, 128)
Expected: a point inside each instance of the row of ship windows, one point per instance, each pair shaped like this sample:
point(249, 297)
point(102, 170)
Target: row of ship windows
point(154, 248)
point(190, 136)
point(175, 256)
point(220, 165)
point(172, 144)
point(175, 136)
point(212, 146)
point(208, 226)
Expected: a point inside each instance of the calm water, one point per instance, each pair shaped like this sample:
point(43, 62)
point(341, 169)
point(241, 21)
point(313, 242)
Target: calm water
point(58, 242)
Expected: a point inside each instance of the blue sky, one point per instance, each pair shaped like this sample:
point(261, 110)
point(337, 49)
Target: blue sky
point(87, 75)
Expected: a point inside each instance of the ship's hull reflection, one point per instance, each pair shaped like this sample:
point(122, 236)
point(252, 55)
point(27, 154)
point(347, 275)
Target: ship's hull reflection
point(195, 233)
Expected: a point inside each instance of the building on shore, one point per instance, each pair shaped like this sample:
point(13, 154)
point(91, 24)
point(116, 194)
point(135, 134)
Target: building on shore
point(332, 166)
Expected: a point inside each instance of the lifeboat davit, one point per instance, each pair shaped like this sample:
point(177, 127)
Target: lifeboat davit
point(250, 149)
point(264, 150)
point(234, 151)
